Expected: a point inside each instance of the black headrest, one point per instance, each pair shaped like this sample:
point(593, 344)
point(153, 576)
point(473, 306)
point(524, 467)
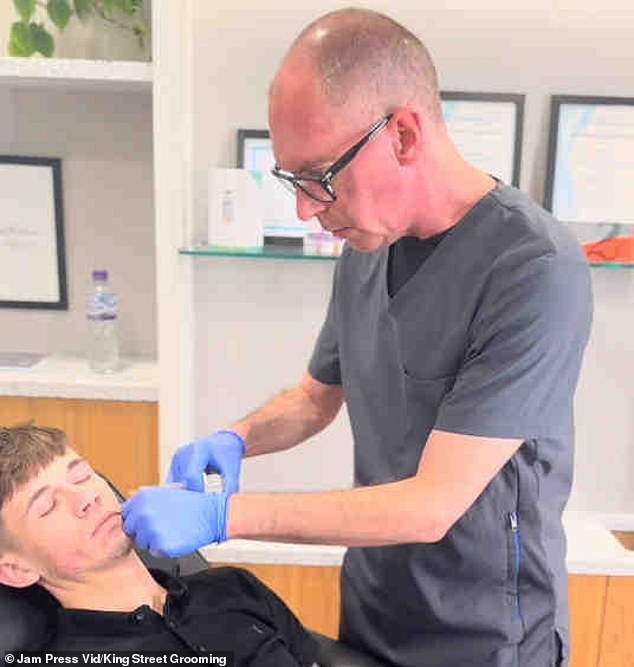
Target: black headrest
point(26, 618)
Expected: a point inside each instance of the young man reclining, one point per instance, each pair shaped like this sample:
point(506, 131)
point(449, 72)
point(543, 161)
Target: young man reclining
point(60, 527)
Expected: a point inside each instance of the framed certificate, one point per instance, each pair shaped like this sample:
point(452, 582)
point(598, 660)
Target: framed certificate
point(255, 150)
point(32, 255)
point(487, 130)
point(591, 171)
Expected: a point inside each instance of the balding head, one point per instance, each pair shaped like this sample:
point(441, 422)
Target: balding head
point(365, 62)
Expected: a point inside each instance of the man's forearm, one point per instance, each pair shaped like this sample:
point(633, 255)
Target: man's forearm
point(454, 470)
point(288, 419)
point(370, 516)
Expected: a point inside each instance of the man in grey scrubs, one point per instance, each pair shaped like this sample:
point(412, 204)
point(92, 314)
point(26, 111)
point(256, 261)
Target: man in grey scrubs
point(458, 318)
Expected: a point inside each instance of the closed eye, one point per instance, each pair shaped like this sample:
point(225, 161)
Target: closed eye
point(51, 507)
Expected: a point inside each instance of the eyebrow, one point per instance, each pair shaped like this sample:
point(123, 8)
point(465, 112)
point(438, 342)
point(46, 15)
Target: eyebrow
point(312, 165)
point(71, 464)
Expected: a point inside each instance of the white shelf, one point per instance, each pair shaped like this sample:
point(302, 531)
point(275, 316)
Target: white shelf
point(63, 376)
point(90, 75)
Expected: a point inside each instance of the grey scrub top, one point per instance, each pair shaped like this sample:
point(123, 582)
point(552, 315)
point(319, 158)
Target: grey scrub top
point(486, 338)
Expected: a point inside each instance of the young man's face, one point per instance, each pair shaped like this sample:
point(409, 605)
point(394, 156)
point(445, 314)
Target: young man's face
point(64, 523)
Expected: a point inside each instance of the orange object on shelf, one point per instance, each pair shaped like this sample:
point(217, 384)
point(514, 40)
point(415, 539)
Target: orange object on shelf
point(618, 250)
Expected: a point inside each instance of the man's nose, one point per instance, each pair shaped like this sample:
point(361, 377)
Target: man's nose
point(82, 499)
point(307, 207)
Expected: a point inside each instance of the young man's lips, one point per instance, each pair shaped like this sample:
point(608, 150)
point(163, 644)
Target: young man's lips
point(104, 521)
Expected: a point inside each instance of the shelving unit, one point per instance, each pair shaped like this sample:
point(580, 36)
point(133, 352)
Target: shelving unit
point(265, 252)
point(88, 75)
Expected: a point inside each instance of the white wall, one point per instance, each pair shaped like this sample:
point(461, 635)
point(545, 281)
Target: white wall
point(256, 320)
point(105, 143)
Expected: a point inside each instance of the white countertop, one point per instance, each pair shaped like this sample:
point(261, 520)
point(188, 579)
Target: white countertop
point(592, 549)
point(64, 376)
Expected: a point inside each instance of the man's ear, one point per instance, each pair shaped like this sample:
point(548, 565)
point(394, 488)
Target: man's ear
point(17, 572)
point(409, 135)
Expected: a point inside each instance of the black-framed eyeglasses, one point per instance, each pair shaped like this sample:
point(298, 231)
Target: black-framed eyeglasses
point(319, 188)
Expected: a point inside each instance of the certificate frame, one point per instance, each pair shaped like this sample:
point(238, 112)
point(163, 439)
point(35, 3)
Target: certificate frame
point(557, 104)
point(42, 198)
point(516, 102)
point(607, 240)
point(247, 142)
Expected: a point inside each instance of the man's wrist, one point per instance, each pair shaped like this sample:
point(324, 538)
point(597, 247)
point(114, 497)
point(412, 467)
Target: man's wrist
point(235, 436)
point(242, 429)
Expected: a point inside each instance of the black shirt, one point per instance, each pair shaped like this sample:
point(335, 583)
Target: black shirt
point(221, 609)
point(405, 257)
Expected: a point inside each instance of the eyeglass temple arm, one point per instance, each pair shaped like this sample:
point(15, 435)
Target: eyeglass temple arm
point(349, 155)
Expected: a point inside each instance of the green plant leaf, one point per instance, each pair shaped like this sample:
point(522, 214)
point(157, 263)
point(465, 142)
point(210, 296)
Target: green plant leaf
point(42, 40)
point(108, 6)
point(21, 42)
point(25, 9)
point(128, 7)
point(59, 12)
point(83, 8)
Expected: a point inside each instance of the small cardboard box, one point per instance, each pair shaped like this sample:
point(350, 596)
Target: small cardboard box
point(235, 208)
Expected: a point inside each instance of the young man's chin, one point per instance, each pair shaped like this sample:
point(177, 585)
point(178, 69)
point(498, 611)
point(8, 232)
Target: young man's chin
point(108, 556)
point(120, 546)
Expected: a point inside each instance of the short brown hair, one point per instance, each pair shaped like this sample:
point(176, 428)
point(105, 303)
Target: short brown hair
point(24, 450)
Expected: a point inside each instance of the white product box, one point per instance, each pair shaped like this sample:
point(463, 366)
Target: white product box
point(235, 208)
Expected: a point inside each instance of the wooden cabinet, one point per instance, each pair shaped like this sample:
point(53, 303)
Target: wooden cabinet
point(617, 637)
point(118, 438)
point(601, 611)
point(587, 604)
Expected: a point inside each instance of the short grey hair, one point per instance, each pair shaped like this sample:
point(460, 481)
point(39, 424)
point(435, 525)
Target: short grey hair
point(366, 57)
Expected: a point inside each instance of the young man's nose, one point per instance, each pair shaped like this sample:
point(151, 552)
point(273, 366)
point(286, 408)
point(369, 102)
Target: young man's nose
point(307, 207)
point(82, 500)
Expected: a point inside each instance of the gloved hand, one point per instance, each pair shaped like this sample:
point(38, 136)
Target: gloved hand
point(175, 522)
point(221, 452)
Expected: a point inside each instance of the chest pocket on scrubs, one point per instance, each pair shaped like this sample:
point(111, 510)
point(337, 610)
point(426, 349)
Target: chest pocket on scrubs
point(423, 398)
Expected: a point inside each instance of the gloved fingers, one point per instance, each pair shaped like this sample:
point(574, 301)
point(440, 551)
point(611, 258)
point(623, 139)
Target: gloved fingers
point(129, 516)
point(231, 448)
point(232, 477)
point(220, 453)
point(188, 466)
point(137, 517)
point(222, 508)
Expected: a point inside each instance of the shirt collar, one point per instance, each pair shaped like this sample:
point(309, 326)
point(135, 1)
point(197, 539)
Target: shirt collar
point(105, 622)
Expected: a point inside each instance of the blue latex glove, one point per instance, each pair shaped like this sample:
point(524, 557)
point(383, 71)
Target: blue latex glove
point(221, 452)
point(175, 522)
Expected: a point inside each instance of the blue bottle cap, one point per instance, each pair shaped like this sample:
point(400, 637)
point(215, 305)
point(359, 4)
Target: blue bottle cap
point(100, 275)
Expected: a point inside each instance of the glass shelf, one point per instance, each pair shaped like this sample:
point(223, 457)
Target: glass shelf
point(265, 252)
point(294, 252)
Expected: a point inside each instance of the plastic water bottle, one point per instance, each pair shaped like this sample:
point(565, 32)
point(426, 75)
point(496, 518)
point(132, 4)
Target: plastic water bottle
point(103, 338)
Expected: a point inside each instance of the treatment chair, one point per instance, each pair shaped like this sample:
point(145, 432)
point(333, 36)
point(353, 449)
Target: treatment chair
point(27, 614)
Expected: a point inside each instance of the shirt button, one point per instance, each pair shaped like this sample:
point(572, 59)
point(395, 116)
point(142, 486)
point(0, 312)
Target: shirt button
point(202, 649)
point(138, 616)
point(171, 625)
